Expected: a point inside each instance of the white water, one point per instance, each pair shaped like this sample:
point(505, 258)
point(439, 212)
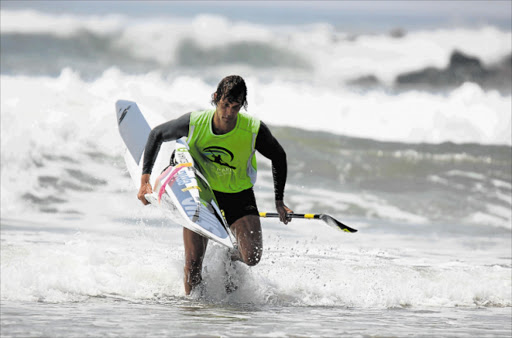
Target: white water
point(305, 264)
point(378, 54)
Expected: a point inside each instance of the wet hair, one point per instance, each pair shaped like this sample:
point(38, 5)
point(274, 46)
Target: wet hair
point(232, 88)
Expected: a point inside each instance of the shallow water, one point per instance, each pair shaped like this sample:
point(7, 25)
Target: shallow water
point(188, 317)
point(126, 280)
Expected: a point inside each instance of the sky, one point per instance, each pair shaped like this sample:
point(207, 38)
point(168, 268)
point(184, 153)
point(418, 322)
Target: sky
point(357, 15)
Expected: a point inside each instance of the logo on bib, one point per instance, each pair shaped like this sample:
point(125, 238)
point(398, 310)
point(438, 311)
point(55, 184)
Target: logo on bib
point(219, 155)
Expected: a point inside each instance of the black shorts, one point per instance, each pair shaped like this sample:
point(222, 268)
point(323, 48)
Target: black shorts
point(237, 205)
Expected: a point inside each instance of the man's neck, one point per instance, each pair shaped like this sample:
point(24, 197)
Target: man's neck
point(220, 127)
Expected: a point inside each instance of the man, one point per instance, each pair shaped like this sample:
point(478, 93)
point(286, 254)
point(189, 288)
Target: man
point(223, 143)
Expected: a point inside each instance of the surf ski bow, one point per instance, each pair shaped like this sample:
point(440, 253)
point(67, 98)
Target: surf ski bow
point(180, 191)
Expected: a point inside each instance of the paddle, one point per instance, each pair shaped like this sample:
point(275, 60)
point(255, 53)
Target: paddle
point(331, 221)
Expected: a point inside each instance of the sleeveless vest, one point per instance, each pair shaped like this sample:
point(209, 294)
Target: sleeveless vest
point(227, 161)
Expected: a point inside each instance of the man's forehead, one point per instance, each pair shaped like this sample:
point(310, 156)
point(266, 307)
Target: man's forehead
point(237, 100)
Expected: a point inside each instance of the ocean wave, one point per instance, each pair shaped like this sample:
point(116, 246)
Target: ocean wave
point(70, 111)
point(42, 44)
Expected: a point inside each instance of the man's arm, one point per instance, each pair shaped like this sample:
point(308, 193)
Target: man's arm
point(168, 131)
point(269, 147)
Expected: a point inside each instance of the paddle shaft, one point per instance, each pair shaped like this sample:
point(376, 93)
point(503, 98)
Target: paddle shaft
point(276, 215)
point(331, 221)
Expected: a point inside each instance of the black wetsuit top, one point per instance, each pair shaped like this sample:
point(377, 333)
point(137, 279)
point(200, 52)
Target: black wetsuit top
point(266, 144)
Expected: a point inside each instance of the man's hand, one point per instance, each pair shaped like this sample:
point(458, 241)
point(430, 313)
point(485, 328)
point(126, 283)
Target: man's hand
point(145, 188)
point(283, 210)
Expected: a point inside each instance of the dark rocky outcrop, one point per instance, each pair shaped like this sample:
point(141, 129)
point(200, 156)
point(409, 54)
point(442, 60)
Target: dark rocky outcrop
point(368, 82)
point(462, 68)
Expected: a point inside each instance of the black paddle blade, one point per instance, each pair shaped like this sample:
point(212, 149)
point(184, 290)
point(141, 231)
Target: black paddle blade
point(333, 222)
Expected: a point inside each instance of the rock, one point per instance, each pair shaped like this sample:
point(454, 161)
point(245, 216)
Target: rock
point(461, 68)
point(367, 81)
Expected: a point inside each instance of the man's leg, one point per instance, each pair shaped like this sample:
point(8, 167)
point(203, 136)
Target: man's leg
point(247, 231)
point(195, 248)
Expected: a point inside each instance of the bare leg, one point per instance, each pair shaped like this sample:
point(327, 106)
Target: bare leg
point(247, 231)
point(195, 248)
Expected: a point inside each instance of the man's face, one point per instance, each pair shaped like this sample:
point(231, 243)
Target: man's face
point(227, 111)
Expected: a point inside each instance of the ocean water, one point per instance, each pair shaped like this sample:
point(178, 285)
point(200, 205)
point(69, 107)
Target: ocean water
point(424, 174)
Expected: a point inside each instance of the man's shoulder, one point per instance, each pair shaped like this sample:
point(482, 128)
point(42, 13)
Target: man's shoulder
point(249, 122)
point(201, 116)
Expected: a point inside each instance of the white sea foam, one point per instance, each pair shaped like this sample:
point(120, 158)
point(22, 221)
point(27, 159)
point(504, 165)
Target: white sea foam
point(411, 116)
point(475, 176)
point(304, 266)
point(37, 104)
point(94, 265)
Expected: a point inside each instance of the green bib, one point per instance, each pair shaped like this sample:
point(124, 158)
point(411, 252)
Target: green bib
point(227, 161)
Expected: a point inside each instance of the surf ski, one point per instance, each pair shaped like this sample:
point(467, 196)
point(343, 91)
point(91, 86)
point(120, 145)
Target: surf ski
point(180, 190)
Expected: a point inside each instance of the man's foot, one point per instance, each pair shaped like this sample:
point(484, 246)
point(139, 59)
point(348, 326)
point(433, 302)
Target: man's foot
point(199, 290)
point(230, 285)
